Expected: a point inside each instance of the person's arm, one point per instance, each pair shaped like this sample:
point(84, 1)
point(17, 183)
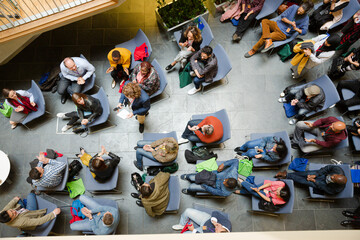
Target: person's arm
point(115, 159)
point(96, 109)
point(263, 196)
point(90, 69)
point(264, 186)
point(80, 113)
point(11, 204)
point(302, 28)
point(209, 67)
point(158, 142)
point(325, 144)
point(194, 58)
point(286, 14)
point(324, 56)
point(230, 163)
point(341, 6)
point(66, 72)
point(144, 109)
point(127, 59)
point(320, 122)
point(26, 94)
point(214, 191)
point(38, 221)
point(57, 166)
point(326, 170)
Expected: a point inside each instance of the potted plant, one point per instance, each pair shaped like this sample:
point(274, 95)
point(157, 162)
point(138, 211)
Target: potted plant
point(216, 6)
point(174, 15)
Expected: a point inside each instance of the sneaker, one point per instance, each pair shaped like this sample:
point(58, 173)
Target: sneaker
point(182, 140)
point(177, 227)
point(293, 121)
point(66, 127)
point(249, 53)
point(61, 115)
point(137, 166)
point(194, 90)
point(113, 84)
point(169, 67)
point(282, 100)
point(282, 94)
point(192, 73)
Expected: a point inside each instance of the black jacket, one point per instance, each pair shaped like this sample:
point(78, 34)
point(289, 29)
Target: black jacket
point(92, 105)
point(314, 104)
point(105, 174)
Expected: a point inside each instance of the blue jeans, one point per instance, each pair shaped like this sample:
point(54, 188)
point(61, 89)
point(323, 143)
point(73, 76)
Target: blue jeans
point(196, 216)
point(193, 188)
point(246, 189)
point(249, 147)
point(31, 202)
point(198, 81)
point(140, 152)
point(190, 135)
point(84, 225)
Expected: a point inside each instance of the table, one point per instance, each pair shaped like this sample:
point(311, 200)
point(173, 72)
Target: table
point(5, 167)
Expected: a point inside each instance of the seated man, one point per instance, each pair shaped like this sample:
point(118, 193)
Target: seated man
point(16, 214)
point(216, 222)
point(225, 184)
point(329, 131)
point(307, 98)
point(329, 179)
point(75, 71)
point(47, 176)
point(352, 85)
point(120, 61)
point(207, 130)
point(101, 220)
point(294, 19)
point(205, 67)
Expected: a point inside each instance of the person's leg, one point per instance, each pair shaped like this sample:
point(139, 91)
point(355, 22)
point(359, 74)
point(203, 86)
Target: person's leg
point(244, 24)
point(140, 153)
point(300, 177)
point(74, 88)
point(141, 118)
point(88, 202)
point(197, 82)
point(142, 143)
point(83, 226)
point(190, 177)
point(246, 188)
point(352, 85)
point(251, 144)
point(301, 114)
point(32, 204)
point(188, 133)
point(198, 217)
point(250, 153)
point(300, 128)
point(75, 120)
point(63, 85)
point(276, 34)
point(265, 24)
point(194, 188)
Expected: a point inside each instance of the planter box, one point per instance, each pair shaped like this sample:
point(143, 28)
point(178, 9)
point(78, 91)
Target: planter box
point(213, 8)
point(205, 15)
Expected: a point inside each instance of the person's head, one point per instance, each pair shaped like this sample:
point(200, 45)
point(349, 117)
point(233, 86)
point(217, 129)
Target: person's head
point(70, 64)
point(207, 129)
point(312, 91)
point(115, 55)
point(36, 173)
point(230, 183)
point(193, 33)
point(79, 99)
point(9, 93)
point(132, 90)
point(356, 17)
point(98, 163)
point(338, 126)
point(339, 179)
point(108, 219)
point(171, 147)
point(280, 148)
point(145, 68)
point(333, 41)
point(304, 8)
point(145, 190)
point(206, 52)
point(7, 216)
point(284, 192)
point(220, 228)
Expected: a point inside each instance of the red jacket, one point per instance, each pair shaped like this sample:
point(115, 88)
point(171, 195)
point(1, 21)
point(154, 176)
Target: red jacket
point(331, 139)
point(218, 130)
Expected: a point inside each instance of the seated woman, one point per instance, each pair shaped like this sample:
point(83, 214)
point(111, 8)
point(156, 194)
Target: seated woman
point(321, 49)
point(88, 109)
point(350, 32)
point(147, 77)
point(22, 103)
point(270, 149)
point(100, 168)
point(190, 42)
point(329, 13)
point(163, 150)
point(276, 192)
point(341, 65)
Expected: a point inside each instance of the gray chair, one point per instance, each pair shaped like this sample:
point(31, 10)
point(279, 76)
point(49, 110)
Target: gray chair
point(137, 41)
point(209, 211)
point(347, 94)
point(283, 134)
point(89, 83)
point(224, 118)
point(61, 186)
point(174, 188)
point(348, 191)
point(153, 137)
point(44, 229)
point(269, 7)
point(163, 81)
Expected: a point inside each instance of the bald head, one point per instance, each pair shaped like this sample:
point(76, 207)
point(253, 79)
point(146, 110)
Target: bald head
point(69, 63)
point(339, 179)
point(338, 126)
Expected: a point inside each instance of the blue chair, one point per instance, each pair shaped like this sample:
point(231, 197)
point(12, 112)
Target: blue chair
point(61, 186)
point(174, 188)
point(355, 139)
point(347, 94)
point(224, 66)
point(283, 134)
point(137, 41)
point(44, 229)
point(153, 137)
point(224, 118)
point(89, 83)
point(348, 191)
point(39, 100)
point(163, 81)
point(206, 34)
point(269, 7)
point(209, 211)
point(287, 208)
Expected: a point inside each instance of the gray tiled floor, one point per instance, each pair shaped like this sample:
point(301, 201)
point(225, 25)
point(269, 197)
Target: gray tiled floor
point(250, 99)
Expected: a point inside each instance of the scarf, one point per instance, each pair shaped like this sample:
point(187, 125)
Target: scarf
point(25, 102)
point(148, 66)
point(333, 40)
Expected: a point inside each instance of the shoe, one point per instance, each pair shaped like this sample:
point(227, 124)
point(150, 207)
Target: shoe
point(281, 175)
point(185, 191)
point(291, 136)
point(13, 126)
point(61, 115)
point(77, 155)
point(177, 227)
point(282, 100)
point(169, 67)
point(236, 38)
point(63, 98)
point(136, 165)
point(113, 84)
point(194, 90)
point(182, 141)
point(282, 94)
point(66, 127)
point(346, 223)
point(141, 127)
point(350, 214)
point(192, 73)
point(136, 147)
point(293, 121)
point(183, 177)
point(249, 53)
point(295, 146)
point(135, 195)
point(238, 150)
point(139, 203)
point(268, 45)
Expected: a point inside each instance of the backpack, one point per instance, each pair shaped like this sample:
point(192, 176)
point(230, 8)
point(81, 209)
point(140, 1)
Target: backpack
point(74, 169)
point(192, 158)
point(201, 152)
point(268, 206)
point(136, 181)
point(51, 80)
point(171, 168)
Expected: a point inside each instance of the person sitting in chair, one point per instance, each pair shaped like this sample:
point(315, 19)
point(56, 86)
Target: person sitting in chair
point(352, 85)
point(147, 77)
point(120, 62)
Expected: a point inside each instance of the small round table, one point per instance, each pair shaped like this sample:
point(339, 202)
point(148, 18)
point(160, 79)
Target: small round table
point(5, 167)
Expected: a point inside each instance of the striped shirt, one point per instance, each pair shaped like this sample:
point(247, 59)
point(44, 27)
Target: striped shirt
point(53, 174)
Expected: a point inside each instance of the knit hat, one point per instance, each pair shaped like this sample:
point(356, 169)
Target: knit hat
point(312, 90)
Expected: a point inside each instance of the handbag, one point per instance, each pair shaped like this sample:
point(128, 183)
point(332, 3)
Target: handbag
point(141, 52)
point(245, 166)
point(6, 110)
point(184, 76)
point(74, 169)
point(290, 110)
point(136, 181)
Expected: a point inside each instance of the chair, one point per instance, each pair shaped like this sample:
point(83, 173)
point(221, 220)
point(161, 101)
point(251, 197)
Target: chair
point(153, 137)
point(137, 41)
point(174, 188)
point(348, 191)
point(224, 118)
point(206, 34)
point(39, 100)
point(163, 81)
point(355, 139)
point(287, 208)
point(269, 7)
point(89, 83)
point(347, 94)
point(44, 229)
point(209, 211)
point(258, 163)
point(61, 186)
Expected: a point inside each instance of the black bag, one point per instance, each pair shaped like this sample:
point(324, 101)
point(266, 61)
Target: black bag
point(201, 152)
point(334, 71)
point(206, 177)
point(136, 181)
point(153, 171)
point(74, 169)
point(192, 158)
point(52, 79)
point(269, 206)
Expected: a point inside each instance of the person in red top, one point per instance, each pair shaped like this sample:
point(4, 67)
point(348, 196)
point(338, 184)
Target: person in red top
point(206, 130)
point(329, 131)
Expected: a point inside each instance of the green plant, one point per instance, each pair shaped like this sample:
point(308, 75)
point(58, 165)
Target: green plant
point(179, 11)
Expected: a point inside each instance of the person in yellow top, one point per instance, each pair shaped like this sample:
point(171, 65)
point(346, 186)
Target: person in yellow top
point(120, 61)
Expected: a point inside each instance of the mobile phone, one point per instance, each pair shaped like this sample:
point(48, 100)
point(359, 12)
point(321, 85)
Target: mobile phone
point(257, 149)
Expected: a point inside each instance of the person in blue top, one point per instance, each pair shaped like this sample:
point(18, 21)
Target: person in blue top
point(101, 220)
point(226, 180)
point(293, 20)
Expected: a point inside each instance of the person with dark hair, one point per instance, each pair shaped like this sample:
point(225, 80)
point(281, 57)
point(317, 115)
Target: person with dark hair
point(225, 182)
point(74, 73)
point(22, 103)
point(137, 100)
point(88, 109)
point(204, 65)
point(352, 85)
point(147, 77)
point(48, 176)
point(101, 168)
point(341, 64)
point(101, 220)
point(308, 98)
point(294, 19)
point(350, 32)
point(329, 179)
point(189, 42)
point(355, 128)
point(269, 149)
point(120, 62)
point(26, 217)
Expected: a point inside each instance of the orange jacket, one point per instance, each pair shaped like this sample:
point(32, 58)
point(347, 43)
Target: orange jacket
point(218, 130)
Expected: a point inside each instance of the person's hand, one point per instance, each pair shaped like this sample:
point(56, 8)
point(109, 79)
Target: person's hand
point(84, 122)
point(193, 128)
point(247, 15)
point(198, 74)
point(120, 106)
point(309, 124)
point(80, 81)
point(42, 158)
point(260, 150)
point(310, 140)
point(347, 59)
point(294, 102)
point(307, 52)
point(33, 104)
point(191, 49)
point(195, 60)
point(126, 70)
point(191, 227)
point(103, 150)
point(57, 211)
point(258, 156)
point(110, 69)
point(221, 167)
point(293, 24)
point(357, 124)
point(255, 189)
point(358, 131)
point(148, 148)
point(19, 109)
point(17, 198)
point(130, 115)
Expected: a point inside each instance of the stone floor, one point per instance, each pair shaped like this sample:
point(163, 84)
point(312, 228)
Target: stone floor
point(250, 99)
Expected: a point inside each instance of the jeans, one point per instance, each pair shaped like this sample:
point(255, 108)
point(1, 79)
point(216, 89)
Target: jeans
point(246, 189)
point(249, 147)
point(300, 129)
point(196, 216)
point(190, 135)
point(198, 81)
point(84, 225)
point(193, 188)
point(31, 204)
point(301, 177)
point(140, 152)
point(65, 85)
